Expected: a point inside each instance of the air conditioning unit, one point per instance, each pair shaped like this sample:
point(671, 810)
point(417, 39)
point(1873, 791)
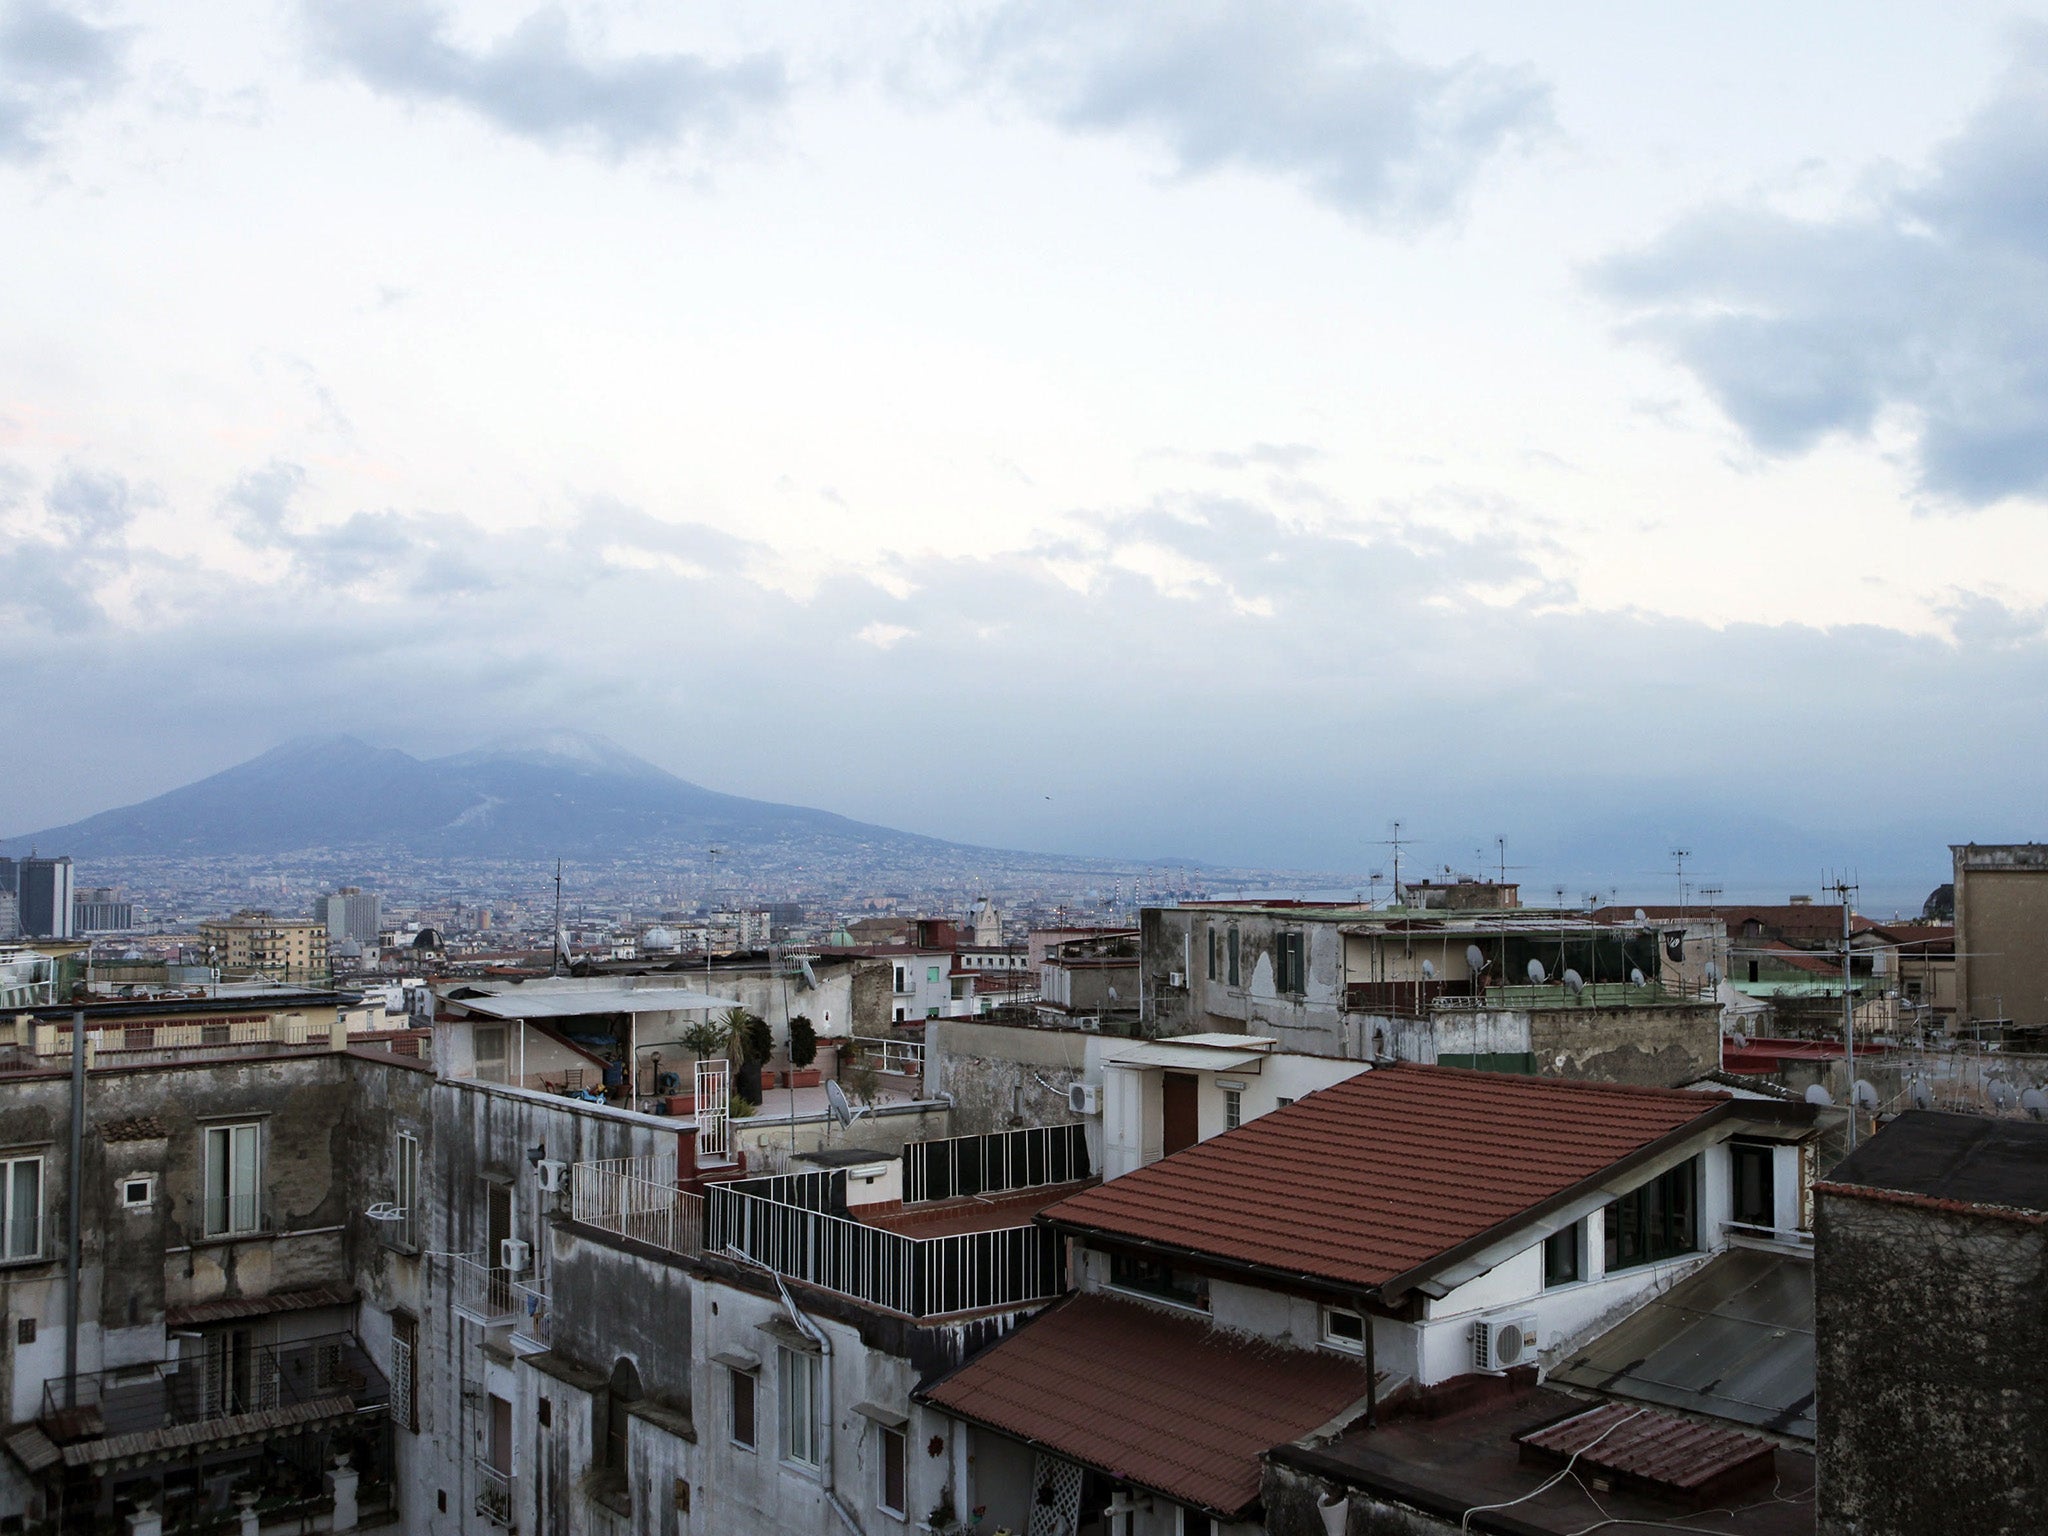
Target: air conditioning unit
point(1177, 979)
point(514, 1254)
point(1501, 1343)
point(1084, 1098)
point(551, 1171)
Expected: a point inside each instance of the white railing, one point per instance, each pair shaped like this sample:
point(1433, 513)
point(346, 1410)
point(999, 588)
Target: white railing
point(637, 1197)
point(920, 1277)
point(905, 1057)
point(484, 1292)
point(985, 1165)
point(493, 1494)
point(713, 1101)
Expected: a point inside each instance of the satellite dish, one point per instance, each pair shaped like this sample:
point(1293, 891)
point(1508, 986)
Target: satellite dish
point(835, 1101)
point(2035, 1103)
point(1921, 1095)
point(1574, 983)
point(1819, 1095)
point(2002, 1096)
point(1712, 973)
point(1739, 1040)
point(1864, 1094)
point(1476, 958)
point(1635, 976)
point(1429, 970)
point(1642, 918)
point(1536, 972)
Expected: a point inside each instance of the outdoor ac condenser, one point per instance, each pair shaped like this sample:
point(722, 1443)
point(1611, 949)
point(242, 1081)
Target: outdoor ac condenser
point(514, 1253)
point(1500, 1343)
point(1084, 1099)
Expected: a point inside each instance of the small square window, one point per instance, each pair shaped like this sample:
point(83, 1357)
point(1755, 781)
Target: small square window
point(1344, 1329)
point(1233, 1109)
point(1561, 1264)
point(136, 1193)
point(24, 1330)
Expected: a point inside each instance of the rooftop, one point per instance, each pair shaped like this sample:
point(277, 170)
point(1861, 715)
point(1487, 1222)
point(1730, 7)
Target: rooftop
point(1467, 1462)
point(1949, 1159)
point(1387, 1172)
point(1165, 1402)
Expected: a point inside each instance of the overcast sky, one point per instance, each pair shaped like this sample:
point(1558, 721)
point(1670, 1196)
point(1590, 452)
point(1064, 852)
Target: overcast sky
point(1243, 424)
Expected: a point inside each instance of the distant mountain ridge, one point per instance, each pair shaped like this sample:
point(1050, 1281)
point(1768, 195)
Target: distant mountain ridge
point(557, 793)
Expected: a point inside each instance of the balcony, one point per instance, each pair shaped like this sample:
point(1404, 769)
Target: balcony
point(637, 1197)
point(986, 1165)
point(217, 1396)
point(494, 1494)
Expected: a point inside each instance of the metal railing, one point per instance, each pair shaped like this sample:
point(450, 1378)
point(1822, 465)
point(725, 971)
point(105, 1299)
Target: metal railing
point(919, 1277)
point(1402, 998)
point(218, 1380)
point(637, 1197)
point(980, 1165)
point(494, 1494)
point(905, 1057)
point(484, 1292)
point(532, 1320)
point(1599, 994)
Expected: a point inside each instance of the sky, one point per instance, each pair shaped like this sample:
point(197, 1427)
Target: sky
point(1204, 428)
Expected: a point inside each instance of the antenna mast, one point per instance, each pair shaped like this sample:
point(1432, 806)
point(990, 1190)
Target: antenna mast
point(555, 942)
point(1678, 857)
point(1843, 891)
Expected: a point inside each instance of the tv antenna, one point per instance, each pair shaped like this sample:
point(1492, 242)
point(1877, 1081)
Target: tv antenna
point(1397, 844)
point(1843, 890)
point(1678, 858)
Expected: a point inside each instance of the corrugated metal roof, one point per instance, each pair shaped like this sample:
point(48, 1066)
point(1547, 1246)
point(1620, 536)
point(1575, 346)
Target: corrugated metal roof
point(1372, 1179)
point(1166, 1402)
point(557, 1003)
point(1734, 1340)
point(230, 1307)
point(1658, 1450)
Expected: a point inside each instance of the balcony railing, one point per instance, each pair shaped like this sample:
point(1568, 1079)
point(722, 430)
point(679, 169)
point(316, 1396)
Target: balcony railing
point(217, 1381)
point(920, 1277)
point(637, 1197)
point(904, 1057)
point(494, 1494)
point(487, 1294)
point(987, 1165)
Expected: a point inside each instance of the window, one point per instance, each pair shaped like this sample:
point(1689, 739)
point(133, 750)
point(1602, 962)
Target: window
point(488, 1040)
point(1282, 1103)
point(624, 1391)
point(797, 1407)
point(234, 1178)
point(1561, 1264)
point(1151, 1278)
point(405, 1381)
point(22, 1221)
point(1194, 1523)
point(1344, 1329)
point(1654, 1222)
point(1233, 1109)
point(742, 1428)
point(1290, 967)
point(931, 973)
point(1213, 943)
point(136, 1193)
point(1751, 1198)
point(405, 1189)
point(1230, 947)
point(893, 1496)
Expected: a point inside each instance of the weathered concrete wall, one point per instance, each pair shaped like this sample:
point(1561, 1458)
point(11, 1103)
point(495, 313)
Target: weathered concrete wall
point(1294, 1507)
point(768, 1142)
point(1003, 1076)
point(1930, 1332)
point(2001, 926)
point(1660, 1047)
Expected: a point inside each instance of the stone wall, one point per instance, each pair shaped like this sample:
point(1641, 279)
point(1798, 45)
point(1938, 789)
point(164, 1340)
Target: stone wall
point(1004, 1076)
point(1656, 1047)
point(1930, 1333)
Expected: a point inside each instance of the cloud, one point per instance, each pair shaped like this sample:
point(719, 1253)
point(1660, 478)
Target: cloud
point(1306, 92)
point(52, 63)
point(1929, 300)
point(537, 81)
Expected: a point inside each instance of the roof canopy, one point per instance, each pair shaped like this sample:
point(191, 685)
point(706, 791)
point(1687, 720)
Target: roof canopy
point(566, 1003)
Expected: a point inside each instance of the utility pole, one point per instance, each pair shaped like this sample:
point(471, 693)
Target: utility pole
point(1843, 891)
point(555, 939)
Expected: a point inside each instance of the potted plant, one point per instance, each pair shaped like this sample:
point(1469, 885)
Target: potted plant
point(803, 1051)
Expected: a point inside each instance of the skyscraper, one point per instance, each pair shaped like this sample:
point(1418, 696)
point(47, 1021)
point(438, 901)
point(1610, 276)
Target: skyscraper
point(43, 894)
point(351, 913)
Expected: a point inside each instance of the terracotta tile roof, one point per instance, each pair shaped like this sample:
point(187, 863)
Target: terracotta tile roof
point(1367, 1181)
point(1657, 1451)
point(1167, 1402)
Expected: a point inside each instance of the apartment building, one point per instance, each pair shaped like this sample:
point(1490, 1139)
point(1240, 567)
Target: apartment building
point(2001, 895)
point(260, 944)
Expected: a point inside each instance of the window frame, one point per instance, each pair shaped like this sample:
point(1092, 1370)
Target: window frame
point(405, 1371)
point(1233, 1108)
point(1333, 1340)
point(1767, 1153)
point(226, 1225)
point(1233, 948)
point(1163, 1289)
point(735, 1376)
point(1655, 1247)
point(1575, 1238)
point(10, 1218)
point(898, 1440)
point(405, 1188)
point(128, 1181)
point(796, 1375)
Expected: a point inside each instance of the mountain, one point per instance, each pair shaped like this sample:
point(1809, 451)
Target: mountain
point(560, 793)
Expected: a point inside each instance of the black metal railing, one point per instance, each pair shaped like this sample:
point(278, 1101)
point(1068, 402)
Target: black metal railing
point(221, 1378)
point(987, 1165)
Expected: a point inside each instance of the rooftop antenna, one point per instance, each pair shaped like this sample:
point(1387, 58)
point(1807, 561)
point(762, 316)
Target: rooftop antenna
point(1394, 842)
point(555, 959)
point(1843, 890)
point(1678, 858)
point(1501, 843)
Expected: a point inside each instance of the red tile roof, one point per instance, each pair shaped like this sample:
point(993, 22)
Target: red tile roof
point(1658, 1451)
point(1365, 1182)
point(1167, 1402)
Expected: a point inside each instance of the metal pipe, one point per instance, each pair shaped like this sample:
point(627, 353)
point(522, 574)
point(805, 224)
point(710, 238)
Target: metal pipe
point(71, 1248)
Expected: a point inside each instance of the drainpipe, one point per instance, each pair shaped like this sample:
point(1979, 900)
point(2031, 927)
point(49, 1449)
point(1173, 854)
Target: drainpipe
point(72, 1245)
point(816, 1335)
point(1372, 1373)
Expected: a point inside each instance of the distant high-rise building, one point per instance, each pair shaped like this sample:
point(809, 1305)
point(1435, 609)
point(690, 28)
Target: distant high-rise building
point(10, 916)
point(259, 945)
point(102, 910)
point(43, 894)
point(351, 913)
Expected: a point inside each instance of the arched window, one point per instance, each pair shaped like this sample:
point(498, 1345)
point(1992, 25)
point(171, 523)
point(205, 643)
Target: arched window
point(624, 1389)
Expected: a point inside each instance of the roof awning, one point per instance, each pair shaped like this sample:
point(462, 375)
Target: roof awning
point(1176, 1057)
point(562, 1003)
point(1168, 1403)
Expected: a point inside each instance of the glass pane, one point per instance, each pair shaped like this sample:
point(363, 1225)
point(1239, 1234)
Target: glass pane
point(24, 1208)
point(243, 1217)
